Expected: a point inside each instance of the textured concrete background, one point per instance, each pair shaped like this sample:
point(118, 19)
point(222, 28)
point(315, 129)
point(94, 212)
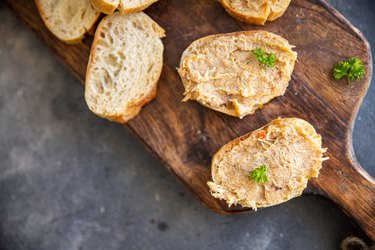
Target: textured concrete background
point(69, 180)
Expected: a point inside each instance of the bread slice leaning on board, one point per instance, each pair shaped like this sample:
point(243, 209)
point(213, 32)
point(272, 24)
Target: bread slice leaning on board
point(255, 11)
point(68, 20)
point(125, 6)
point(290, 149)
point(222, 73)
point(125, 65)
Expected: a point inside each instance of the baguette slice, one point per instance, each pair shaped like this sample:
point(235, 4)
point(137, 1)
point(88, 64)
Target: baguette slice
point(105, 6)
point(292, 152)
point(222, 73)
point(255, 11)
point(68, 20)
point(125, 6)
point(125, 64)
point(278, 8)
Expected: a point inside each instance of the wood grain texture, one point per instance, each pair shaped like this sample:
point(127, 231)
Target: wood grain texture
point(184, 136)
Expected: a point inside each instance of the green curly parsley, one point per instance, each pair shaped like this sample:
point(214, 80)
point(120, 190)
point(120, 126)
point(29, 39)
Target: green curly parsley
point(352, 68)
point(259, 174)
point(265, 58)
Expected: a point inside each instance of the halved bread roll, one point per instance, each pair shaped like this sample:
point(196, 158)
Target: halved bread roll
point(125, 64)
point(255, 11)
point(125, 6)
point(68, 20)
point(290, 151)
point(222, 72)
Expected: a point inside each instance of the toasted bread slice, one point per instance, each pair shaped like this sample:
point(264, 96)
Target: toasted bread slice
point(291, 151)
point(222, 73)
point(68, 20)
point(125, 64)
point(125, 6)
point(255, 11)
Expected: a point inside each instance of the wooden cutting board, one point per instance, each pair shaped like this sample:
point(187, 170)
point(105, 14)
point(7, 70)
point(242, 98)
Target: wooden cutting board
point(184, 136)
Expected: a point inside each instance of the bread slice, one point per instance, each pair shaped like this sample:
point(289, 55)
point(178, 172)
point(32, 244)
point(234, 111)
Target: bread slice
point(68, 20)
point(290, 149)
point(125, 6)
point(125, 64)
point(278, 8)
point(131, 6)
point(255, 11)
point(222, 73)
point(105, 6)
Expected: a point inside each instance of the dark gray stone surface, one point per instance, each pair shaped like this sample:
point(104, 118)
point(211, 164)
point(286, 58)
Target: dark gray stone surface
point(69, 180)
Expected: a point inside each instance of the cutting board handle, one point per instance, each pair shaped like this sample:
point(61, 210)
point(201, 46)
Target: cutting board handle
point(350, 187)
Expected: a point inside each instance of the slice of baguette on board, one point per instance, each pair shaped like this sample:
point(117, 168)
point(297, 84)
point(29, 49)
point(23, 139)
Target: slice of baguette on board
point(125, 64)
point(105, 6)
point(291, 151)
point(278, 8)
point(255, 11)
point(68, 20)
point(125, 6)
point(222, 73)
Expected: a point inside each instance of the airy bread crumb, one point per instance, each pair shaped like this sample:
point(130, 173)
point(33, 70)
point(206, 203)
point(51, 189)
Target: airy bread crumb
point(68, 20)
point(125, 64)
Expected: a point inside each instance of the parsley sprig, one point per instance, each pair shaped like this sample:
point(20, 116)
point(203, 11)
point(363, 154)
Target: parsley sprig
point(265, 58)
point(352, 68)
point(259, 174)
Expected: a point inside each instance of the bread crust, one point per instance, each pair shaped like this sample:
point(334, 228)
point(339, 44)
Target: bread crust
point(274, 15)
point(46, 21)
point(108, 8)
point(242, 17)
point(132, 109)
point(222, 188)
point(137, 9)
point(283, 45)
point(104, 7)
point(271, 16)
